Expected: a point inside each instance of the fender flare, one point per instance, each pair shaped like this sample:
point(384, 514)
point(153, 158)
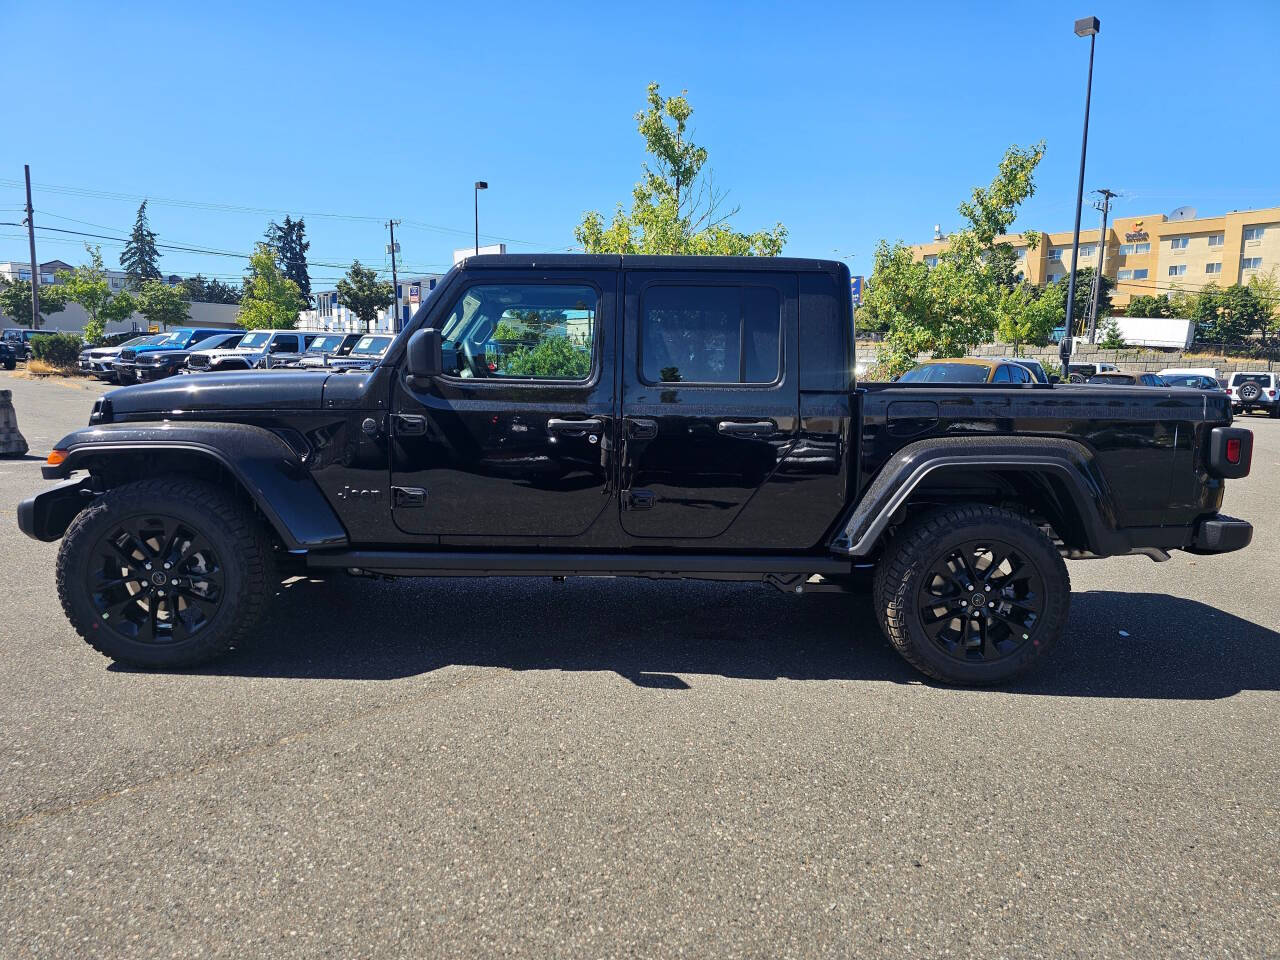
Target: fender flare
point(272, 470)
point(1069, 463)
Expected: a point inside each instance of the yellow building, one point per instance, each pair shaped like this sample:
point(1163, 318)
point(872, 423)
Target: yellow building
point(1154, 254)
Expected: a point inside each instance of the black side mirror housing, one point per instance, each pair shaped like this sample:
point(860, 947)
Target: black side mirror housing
point(1053, 379)
point(423, 356)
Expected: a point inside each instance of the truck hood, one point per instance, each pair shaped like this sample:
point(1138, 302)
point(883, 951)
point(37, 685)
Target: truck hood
point(245, 390)
point(221, 352)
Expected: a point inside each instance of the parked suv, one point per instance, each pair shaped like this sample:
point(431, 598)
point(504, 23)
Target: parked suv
point(1254, 391)
point(126, 365)
point(258, 349)
point(1081, 372)
point(326, 346)
point(100, 361)
point(8, 358)
point(19, 338)
point(166, 362)
point(367, 352)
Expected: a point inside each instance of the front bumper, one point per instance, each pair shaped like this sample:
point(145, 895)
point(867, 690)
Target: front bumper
point(1220, 534)
point(159, 372)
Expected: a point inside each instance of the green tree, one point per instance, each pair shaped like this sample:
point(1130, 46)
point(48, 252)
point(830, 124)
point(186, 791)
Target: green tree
point(1111, 336)
point(289, 241)
point(676, 207)
point(1027, 315)
point(87, 285)
point(162, 305)
point(1084, 297)
point(1147, 305)
point(361, 292)
point(200, 290)
point(1227, 314)
point(1266, 289)
point(15, 301)
point(140, 259)
point(947, 309)
point(270, 299)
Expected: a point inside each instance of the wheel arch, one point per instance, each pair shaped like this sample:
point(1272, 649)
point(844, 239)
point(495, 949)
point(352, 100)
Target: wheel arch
point(1055, 480)
point(260, 466)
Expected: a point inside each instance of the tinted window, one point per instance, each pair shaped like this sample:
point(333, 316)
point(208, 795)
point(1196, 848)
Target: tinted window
point(947, 373)
point(285, 344)
point(1263, 379)
point(371, 346)
point(1004, 374)
point(525, 330)
point(710, 334)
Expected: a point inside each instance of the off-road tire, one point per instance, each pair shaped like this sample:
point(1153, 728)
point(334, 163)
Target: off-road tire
point(910, 554)
point(238, 538)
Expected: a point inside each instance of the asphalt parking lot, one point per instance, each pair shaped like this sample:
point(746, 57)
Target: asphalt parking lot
point(631, 768)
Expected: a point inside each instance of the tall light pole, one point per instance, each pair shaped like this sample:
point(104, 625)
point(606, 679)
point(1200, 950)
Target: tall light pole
point(480, 185)
point(1086, 27)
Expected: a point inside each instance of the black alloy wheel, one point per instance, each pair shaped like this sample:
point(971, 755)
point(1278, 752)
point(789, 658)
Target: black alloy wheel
point(981, 601)
point(167, 572)
point(156, 580)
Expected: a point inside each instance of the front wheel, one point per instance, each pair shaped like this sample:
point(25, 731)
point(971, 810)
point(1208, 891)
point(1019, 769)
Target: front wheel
point(972, 594)
point(164, 573)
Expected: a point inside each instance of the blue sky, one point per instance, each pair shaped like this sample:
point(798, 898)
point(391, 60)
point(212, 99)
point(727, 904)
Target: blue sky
point(846, 122)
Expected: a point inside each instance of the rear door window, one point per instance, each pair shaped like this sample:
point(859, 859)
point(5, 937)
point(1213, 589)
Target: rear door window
point(712, 334)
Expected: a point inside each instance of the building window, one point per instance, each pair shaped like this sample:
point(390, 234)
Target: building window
point(1251, 263)
point(1213, 268)
point(1053, 278)
point(1178, 243)
point(930, 261)
point(1178, 270)
point(1129, 249)
point(1140, 273)
point(1088, 250)
point(1055, 253)
point(1216, 240)
point(1124, 275)
point(1253, 233)
point(1021, 253)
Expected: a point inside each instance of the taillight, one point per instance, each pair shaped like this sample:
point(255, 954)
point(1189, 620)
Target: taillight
point(1271, 393)
point(1233, 450)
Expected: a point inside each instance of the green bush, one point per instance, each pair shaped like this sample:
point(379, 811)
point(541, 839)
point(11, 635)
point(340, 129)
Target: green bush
point(557, 357)
point(57, 349)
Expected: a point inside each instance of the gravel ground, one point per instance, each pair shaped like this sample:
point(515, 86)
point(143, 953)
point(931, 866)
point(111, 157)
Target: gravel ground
point(630, 768)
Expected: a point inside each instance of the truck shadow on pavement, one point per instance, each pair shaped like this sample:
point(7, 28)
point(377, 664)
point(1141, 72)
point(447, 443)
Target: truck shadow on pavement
point(665, 635)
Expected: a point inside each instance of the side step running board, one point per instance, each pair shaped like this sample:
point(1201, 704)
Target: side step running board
point(440, 564)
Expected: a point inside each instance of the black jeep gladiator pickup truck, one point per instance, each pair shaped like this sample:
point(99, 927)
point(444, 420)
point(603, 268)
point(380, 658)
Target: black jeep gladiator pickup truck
point(571, 415)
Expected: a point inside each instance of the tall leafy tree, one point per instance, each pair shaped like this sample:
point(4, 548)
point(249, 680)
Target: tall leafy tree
point(270, 299)
point(676, 207)
point(947, 309)
point(1149, 305)
point(200, 290)
point(361, 292)
point(87, 285)
point(163, 305)
point(140, 259)
point(15, 300)
point(1228, 314)
point(289, 241)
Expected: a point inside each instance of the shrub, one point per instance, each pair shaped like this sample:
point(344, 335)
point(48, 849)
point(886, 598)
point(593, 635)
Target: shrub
point(57, 349)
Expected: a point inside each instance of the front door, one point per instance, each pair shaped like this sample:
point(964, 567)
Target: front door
point(710, 401)
point(513, 443)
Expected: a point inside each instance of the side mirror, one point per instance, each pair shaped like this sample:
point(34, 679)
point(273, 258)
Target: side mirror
point(423, 357)
point(1053, 379)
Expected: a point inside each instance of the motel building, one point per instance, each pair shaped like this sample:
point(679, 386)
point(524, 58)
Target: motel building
point(1154, 254)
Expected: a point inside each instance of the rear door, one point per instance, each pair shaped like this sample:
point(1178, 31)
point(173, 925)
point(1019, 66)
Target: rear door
point(513, 443)
point(710, 402)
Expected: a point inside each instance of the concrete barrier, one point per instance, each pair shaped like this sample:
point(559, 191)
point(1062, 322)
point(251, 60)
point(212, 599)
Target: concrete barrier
point(12, 443)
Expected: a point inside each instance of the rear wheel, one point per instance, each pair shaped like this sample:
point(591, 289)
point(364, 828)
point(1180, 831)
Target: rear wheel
point(972, 594)
point(164, 573)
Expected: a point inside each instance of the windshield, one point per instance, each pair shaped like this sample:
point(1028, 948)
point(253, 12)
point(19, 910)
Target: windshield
point(371, 345)
point(324, 344)
point(947, 373)
point(1185, 380)
point(255, 339)
point(224, 341)
point(1263, 379)
point(169, 339)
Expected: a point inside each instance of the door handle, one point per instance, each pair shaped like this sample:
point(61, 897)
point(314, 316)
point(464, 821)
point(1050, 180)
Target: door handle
point(642, 428)
point(409, 424)
point(592, 425)
point(756, 428)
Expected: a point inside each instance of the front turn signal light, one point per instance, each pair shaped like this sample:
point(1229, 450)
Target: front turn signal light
point(55, 457)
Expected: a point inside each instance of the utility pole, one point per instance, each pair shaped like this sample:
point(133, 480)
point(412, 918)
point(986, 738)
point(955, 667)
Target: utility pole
point(1096, 300)
point(392, 248)
point(35, 267)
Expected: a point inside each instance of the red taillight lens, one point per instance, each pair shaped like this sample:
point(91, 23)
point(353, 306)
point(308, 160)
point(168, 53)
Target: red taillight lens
point(1271, 393)
point(1233, 450)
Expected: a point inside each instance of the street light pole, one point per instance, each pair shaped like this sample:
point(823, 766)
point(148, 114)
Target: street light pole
point(1086, 27)
point(480, 185)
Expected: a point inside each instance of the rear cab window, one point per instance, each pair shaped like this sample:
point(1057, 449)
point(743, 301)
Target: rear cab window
point(711, 334)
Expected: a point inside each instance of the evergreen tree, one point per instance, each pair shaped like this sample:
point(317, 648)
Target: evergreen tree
point(289, 243)
point(140, 258)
